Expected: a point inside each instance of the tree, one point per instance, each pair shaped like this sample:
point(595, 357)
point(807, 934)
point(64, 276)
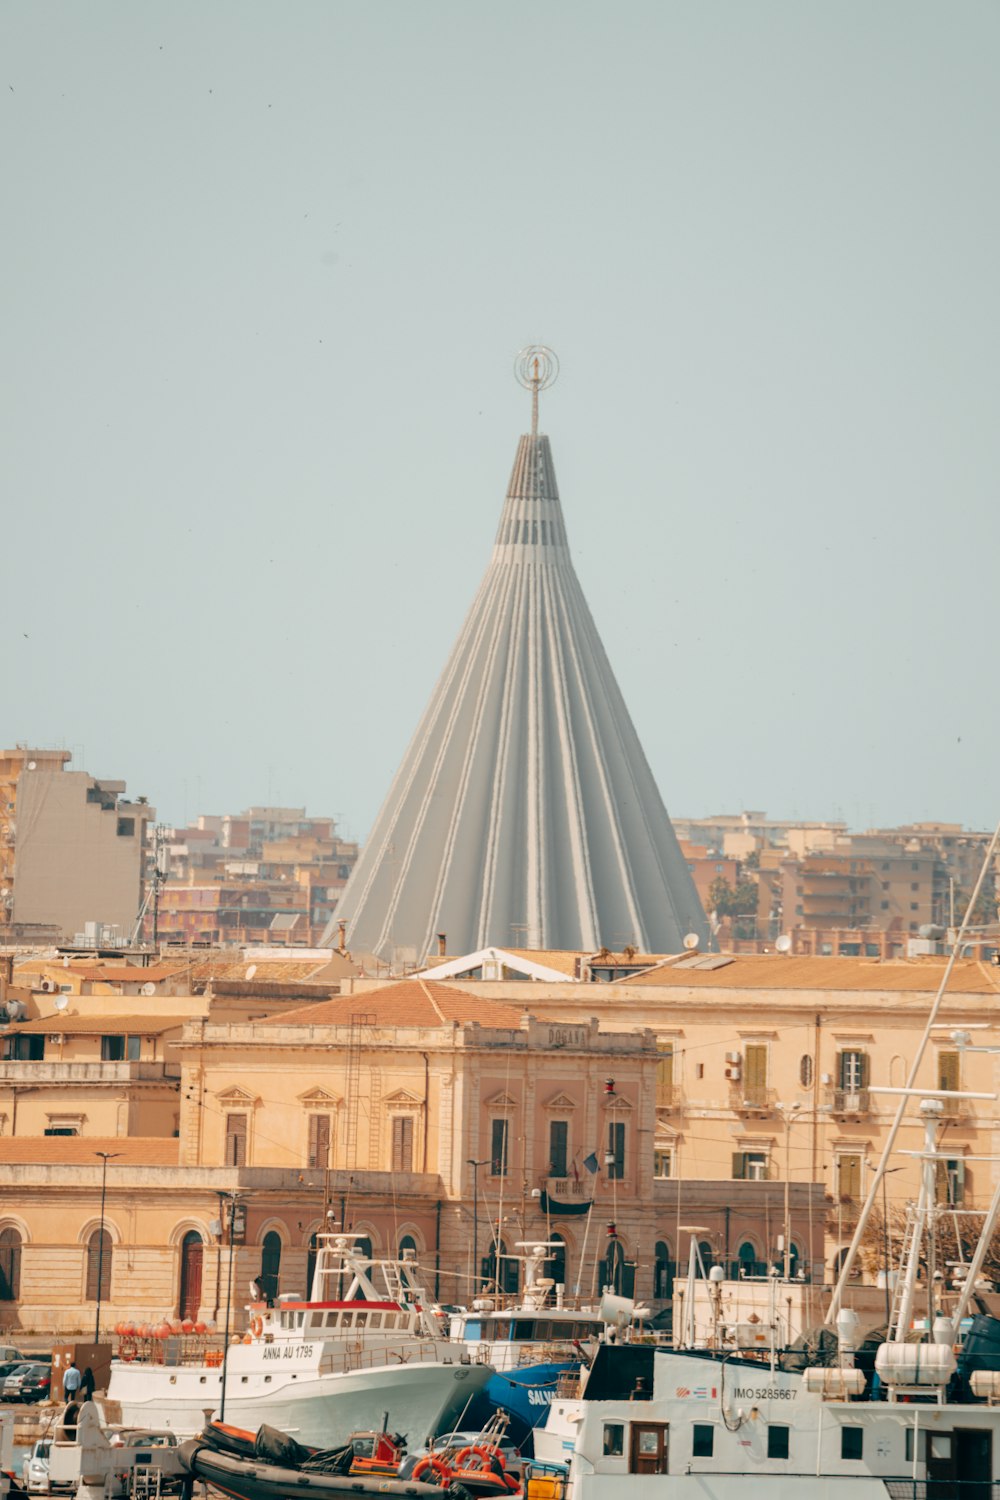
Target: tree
point(727, 901)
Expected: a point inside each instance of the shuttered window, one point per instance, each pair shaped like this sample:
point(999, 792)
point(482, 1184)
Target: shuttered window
point(236, 1140)
point(319, 1141)
point(402, 1143)
point(849, 1176)
point(948, 1071)
point(498, 1148)
point(558, 1147)
point(853, 1071)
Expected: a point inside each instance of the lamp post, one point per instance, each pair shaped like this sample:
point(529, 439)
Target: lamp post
point(233, 1199)
point(789, 1111)
point(105, 1156)
point(475, 1165)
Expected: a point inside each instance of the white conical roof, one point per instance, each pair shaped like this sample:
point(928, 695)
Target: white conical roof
point(524, 813)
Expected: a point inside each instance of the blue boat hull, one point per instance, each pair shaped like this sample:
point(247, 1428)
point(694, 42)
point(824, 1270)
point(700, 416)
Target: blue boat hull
point(526, 1392)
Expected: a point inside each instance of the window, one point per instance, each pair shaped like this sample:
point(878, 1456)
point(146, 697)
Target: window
point(665, 1073)
point(914, 886)
point(750, 1166)
point(61, 1130)
point(748, 1262)
point(112, 1048)
point(10, 1265)
point(614, 1439)
point(849, 1176)
point(236, 1140)
point(499, 1131)
point(126, 828)
point(558, 1147)
point(806, 1070)
point(616, 1149)
point(948, 1071)
point(702, 1440)
point(662, 1162)
point(754, 1069)
point(270, 1265)
point(402, 1143)
point(914, 906)
point(853, 1071)
point(319, 1141)
point(950, 1182)
point(27, 1048)
point(662, 1270)
point(555, 1266)
point(777, 1442)
point(852, 1442)
point(132, 1048)
point(99, 1266)
point(885, 906)
point(408, 1245)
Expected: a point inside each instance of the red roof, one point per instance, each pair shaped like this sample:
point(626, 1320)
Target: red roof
point(410, 1002)
point(82, 1150)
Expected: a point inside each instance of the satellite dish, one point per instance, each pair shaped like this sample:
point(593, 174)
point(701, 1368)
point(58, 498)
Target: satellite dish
point(148, 988)
point(14, 1010)
point(251, 971)
point(783, 944)
point(61, 1002)
point(66, 962)
point(691, 941)
point(32, 765)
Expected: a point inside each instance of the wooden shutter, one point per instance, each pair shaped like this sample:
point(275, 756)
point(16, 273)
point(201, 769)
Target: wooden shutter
point(236, 1140)
point(402, 1143)
point(558, 1143)
point(739, 1165)
point(849, 1171)
point(948, 1071)
point(755, 1065)
point(665, 1073)
point(319, 1141)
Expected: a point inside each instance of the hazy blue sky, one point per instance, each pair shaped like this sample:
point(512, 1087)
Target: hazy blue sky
point(266, 267)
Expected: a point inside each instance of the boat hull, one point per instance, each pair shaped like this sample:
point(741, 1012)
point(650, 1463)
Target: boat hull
point(526, 1393)
point(319, 1410)
point(249, 1479)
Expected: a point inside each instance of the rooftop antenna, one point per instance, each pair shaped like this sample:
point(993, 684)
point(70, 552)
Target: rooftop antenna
point(536, 368)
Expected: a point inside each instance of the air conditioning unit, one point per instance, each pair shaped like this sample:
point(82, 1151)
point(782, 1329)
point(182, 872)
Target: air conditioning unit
point(734, 1057)
point(47, 986)
point(733, 1073)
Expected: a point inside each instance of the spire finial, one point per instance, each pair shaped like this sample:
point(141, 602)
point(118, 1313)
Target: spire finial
point(536, 368)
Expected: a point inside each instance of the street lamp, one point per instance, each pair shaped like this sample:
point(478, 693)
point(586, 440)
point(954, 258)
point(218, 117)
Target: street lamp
point(105, 1156)
point(789, 1111)
point(475, 1165)
point(233, 1199)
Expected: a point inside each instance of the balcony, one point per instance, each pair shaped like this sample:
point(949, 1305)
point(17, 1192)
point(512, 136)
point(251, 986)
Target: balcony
point(668, 1096)
point(846, 1104)
point(63, 1073)
point(568, 1189)
point(751, 1099)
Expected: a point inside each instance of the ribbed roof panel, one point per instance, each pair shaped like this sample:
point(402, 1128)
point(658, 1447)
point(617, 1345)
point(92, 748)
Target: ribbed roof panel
point(524, 812)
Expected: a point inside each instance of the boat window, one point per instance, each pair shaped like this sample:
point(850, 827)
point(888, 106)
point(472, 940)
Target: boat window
point(360, 1319)
point(777, 1441)
point(614, 1439)
point(524, 1328)
point(852, 1442)
point(473, 1328)
point(922, 1446)
point(543, 1329)
point(499, 1328)
point(938, 1445)
point(702, 1440)
point(374, 1320)
point(347, 1320)
point(390, 1321)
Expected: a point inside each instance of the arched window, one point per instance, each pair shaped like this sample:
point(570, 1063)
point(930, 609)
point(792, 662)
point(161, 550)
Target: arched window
point(192, 1258)
point(747, 1263)
point(270, 1265)
point(707, 1258)
point(502, 1273)
point(663, 1270)
point(619, 1274)
point(806, 1071)
point(407, 1243)
point(311, 1264)
point(10, 1265)
point(555, 1266)
point(99, 1266)
point(793, 1259)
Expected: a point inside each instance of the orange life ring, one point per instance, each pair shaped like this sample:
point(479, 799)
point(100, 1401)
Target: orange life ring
point(127, 1349)
point(487, 1454)
point(256, 1326)
point(436, 1465)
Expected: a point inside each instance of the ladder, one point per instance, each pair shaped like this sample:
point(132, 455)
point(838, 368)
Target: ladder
point(144, 1482)
point(913, 1219)
point(361, 1026)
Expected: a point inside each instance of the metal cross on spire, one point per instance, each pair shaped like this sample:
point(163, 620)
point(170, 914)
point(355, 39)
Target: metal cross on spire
point(536, 368)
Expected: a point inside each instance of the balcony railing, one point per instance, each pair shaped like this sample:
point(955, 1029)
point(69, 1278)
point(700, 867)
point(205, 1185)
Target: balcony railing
point(846, 1102)
point(751, 1099)
point(566, 1187)
point(668, 1096)
point(43, 1071)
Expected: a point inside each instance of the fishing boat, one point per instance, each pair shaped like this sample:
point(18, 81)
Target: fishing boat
point(317, 1369)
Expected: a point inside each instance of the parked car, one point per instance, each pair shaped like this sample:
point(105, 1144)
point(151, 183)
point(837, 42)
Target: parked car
point(36, 1383)
point(12, 1384)
point(7, 1367)
point(35, 1469)
point(451, 1443)
point(10, 1355)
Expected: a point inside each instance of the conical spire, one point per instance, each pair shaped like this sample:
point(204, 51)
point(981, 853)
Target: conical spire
point(524, 813)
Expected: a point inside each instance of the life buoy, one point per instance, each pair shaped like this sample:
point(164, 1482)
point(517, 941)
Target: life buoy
point(489, 1455)
point(256, 1326)
point(437, 1466)
point(127, 1349)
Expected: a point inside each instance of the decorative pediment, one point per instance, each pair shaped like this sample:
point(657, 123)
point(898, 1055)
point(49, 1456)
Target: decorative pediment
point(560, 1101)
point(665, 1135)
point(236, 1096)
point(318, 1098)
point(402, 1096)
point(503, 1100)
point(619, 1104)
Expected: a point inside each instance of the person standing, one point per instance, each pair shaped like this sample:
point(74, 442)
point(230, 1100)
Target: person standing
point(71, 1381)
point(87, 1384)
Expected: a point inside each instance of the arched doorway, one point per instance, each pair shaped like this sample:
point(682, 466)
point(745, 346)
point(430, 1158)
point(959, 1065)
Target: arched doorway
point(619, 1275)
point(192, 1260)
point(311, 1264)
point(99, 1266)
point(270, 1266)
point(10, 1264)
point(555, 1266)
point(663, 1270)
point(407, 1245)
point(707, 1258)
point(747, 1263)
point(499, 1270)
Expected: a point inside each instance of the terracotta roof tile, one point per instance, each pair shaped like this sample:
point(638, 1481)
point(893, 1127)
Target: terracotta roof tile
point(81, 1150)
point(410, 1002)
point(106, 1025)
point(775, 972)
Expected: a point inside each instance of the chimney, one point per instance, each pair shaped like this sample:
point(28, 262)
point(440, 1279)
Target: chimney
point(342, 937)
point(442, 944)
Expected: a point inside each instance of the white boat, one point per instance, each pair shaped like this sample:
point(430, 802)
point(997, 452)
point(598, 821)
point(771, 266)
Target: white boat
point(361, 1346)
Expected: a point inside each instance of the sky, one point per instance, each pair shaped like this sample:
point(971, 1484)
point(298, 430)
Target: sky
point(267, 267)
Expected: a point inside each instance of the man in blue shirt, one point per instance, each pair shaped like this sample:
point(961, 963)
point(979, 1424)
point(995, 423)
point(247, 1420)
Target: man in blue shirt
point(71, 1381)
